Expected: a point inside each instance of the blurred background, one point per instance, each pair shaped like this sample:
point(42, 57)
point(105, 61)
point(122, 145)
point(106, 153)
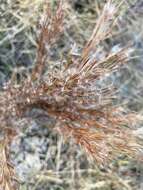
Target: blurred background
point(43, 160)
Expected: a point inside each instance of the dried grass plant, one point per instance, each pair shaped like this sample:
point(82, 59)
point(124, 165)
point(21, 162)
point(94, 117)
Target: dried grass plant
point(84, 110)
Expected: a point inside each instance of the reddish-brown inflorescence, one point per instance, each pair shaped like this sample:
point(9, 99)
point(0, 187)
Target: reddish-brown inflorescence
point(84, 109)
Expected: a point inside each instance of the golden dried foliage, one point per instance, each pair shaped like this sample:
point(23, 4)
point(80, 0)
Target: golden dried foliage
point(84, 110)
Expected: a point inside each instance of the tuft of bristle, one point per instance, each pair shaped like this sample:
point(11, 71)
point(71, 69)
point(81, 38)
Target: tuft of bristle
point(84, 110)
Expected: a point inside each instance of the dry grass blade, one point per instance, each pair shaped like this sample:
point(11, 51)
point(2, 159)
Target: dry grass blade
point(102, 30)
point(7, 174)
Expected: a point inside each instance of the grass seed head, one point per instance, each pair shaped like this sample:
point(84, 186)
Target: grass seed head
point(84, 109)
